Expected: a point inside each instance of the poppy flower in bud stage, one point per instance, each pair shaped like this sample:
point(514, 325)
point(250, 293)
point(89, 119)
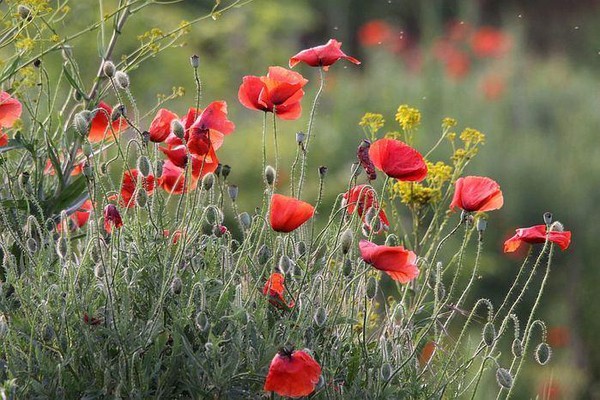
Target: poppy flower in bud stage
point(10, 110)
point(79, 218)
point(362, 153)
point(280, 91)
point(129, 184)
point(322, 56)
point(288, 213)
point(362, 198)
point(292, 373)
point(160, 127)
point(100, 127)
point(537, 234)
point(274, 288)
point(3, 138)
point(477, 193)
point(398, 160)
point(400, 264)
point(112, 218)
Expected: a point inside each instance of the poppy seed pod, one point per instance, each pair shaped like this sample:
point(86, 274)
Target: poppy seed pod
point(208, 181)
point(81, 124)
point(122, 80)
point(233, 191)
point(270, 175)
point(300, 137)
point(322, 171)
point(143, 165)
point(371, 289)
point(481, 225)
point(504, 378)
point(176, 285)
point(109, 68)
point(225, 171)
point(517, 348)
point(386, 372)
point(245, 220)
point(24, 12)
point(202, 323)
point(489, 334)
point(119, 111)
point(547, 218)
point(543, 353)
point(195, 61)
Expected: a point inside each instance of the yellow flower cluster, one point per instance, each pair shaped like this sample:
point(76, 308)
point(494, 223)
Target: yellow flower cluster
point(150, 39)
point(471, 138)
point(420, 194)
point(25, 44)
point(372, 121)
point(448, 123)
point(408, 118)
point(393, 135)
point(37, 6)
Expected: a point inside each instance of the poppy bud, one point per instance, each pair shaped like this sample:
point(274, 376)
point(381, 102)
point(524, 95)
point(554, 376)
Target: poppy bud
point(176, 286)
point(362, 153)
point(285, 264)
point(232, 190)
point(213, 215)
point(264, 254)
point(24, 12)
point(158, 169)
point(320, 317)
point(88, 170)
point(300, 137)
point(542, 354)
point(99, 271)
point(270, 175)
point(109, 69)
point(218, 169)
point(346, 240)
point(371, 287)
point(143, 165)
point(517, 348)
point(141, 198)
point(81, 124)
point(208, 181)
point(489, 334)
point(347, 270)
point(177, 128)
point(398, 315)
point(195, 61)
point(225, 171)
point(547, 218)
point(504, 378)
point(391, 240)
point(62, 247)
point(481, 225)
point(3, 326)
point(122, 80)
point(322, 171)
point(32, 245)
point(119, 111)
point(300, 248)
point(386, 372)
point(87, 149)
point(202, 322)
point(245, 220)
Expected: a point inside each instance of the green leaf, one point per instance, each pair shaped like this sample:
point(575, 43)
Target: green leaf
point(70, 195)
point(12, 144)
point(9, 70)
point(72, 81)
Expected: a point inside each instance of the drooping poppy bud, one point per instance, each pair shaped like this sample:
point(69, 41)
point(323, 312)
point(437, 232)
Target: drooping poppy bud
point(112, 218)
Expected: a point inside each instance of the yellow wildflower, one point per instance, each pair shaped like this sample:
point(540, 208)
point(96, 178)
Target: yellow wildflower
point(372, 121)
point(448, 123)
point(407, 117)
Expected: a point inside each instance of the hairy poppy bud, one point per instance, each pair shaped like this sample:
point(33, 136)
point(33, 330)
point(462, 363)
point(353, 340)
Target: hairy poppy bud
point(517, 348)
point(362, 153)
point(225, 171)
point(542, 354)
point(346, 240)
point(320, 317)
point(176, 285)
point(481, 224)
point(371, 287)
point(245, 220)
point(557, 227)
point(270, 175)
point(214, 216)
point(202, 323)
point(62, 247)
point(264, 254)
point(87, 149)
point(143, 165)
point(177, 128)
point(208, 181)
point(322, 171)
point(158, 169)
point(504, 378)
point(88, 170)
point(24, 12)
point(119, 111)
point(32, 245)
point(3, 326)
point(391, 240)
point(233, 190)
point(386, 372)
point(547, 218)
point(489, 334)
point(300, 137)
point(218, 170)
point(141, 198)
point(109, 69)
point(347, 270)
point(81, 124)
point(398, 315)
point(300, 248)
point(122, 80)
point(195, 61)
point(285, 264)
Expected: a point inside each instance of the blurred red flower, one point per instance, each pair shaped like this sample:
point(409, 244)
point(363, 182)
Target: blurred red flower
point(78, 219)
point(280, 92)
point(559, 336)
point(398, 160)
point(426, 353)
point(288, 213)
point(129, 184)
point(10, 110)
point(400, 264)
point(488, 41)
point(274, 288)
point(457, 64)
point(477, 193)
point(112, 218)
point(100, 129)
point(550, 390)
point(374, 32)
point(537, 234)
point(3, 138)
point(493, 87)
point(160, 127)
point(322, 56)
point(292, 373)
point(361, 198)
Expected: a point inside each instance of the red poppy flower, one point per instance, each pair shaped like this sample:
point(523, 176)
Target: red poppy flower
point(288, 213)
point(400, 264)
point(361, 198)
point(274, 288)
point(79, 218)
point(99, 128)
point(129, 184)
point(3, 138)
point(175, 237)
point(374, 32)
point(280, 92)
point(173, 179)
point(203, 165)
point(160, 127)
point(398, 160)
point(457, 64)
point(559, 336)
point(112, 218)
point(10, 110)
point(212, 122)
point(292, 373)
point(477, 193)
point(49, 168)
point(537, 234)
point(493, 87)
point(489, 42)
point(322, 56)
point(93, 321)
point(426, 353)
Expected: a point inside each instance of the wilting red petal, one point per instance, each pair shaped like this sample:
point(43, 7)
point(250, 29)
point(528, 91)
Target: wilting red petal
point(537, 234)
point(292, 374)
point(398, 160)
point(10, 110)
point(400, 264)
point(3, 139)
point(322, 56)
point(129, 184)
point(99, 128)
point(112, 218)
point(477, 193)
point(160, 128)
point(274, 288)
point(361, 198)
point(288, 213)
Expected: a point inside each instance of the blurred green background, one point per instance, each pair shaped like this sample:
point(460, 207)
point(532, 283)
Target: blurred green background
point(523, 72)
